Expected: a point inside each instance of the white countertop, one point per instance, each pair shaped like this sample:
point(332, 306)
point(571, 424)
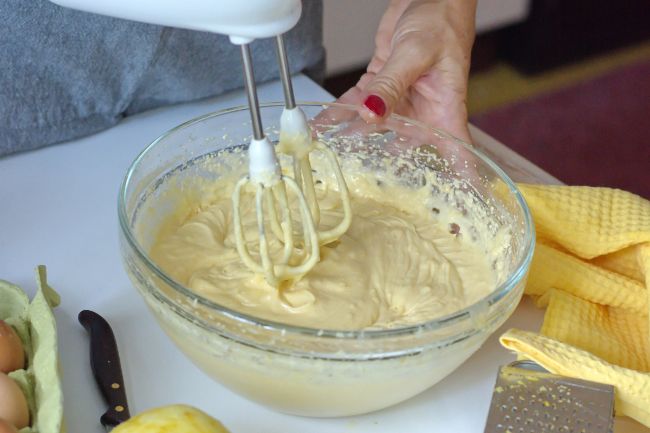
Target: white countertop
point(58, 208)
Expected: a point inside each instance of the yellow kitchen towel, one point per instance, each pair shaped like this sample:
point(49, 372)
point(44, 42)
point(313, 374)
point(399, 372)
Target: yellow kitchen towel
point(591, 270)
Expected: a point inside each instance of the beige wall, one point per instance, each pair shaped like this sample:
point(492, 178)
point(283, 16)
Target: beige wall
point(349, 27)
point(349, 32)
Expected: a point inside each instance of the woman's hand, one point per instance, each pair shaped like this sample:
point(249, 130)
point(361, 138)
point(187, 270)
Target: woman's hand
point(421, 64)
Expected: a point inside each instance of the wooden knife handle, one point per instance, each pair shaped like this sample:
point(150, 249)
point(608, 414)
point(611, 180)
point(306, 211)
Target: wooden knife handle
point(105, 365)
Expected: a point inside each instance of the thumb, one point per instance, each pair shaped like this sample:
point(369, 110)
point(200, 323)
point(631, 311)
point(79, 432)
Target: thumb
point(412, 55)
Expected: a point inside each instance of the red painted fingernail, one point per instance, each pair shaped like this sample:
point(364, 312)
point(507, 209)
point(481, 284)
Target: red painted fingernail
point(375, 104)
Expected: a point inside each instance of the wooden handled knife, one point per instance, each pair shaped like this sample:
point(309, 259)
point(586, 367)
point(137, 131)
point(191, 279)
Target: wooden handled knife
point(105, 364)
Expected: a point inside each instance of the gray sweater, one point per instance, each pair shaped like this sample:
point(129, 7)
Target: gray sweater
point(66, 74)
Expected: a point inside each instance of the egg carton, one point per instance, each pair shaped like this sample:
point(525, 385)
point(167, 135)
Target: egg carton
point(35, 325)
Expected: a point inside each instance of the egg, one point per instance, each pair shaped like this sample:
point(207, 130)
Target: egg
point(5, 427)
point(13, 405)
point(12, 354)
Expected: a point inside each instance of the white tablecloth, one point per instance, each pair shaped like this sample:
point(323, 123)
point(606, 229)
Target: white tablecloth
point(58, 208)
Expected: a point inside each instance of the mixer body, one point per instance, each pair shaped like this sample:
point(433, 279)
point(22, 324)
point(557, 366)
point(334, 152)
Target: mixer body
point(242, 20)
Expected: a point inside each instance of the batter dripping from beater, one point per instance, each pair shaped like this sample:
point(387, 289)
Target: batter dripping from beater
point(399, 263)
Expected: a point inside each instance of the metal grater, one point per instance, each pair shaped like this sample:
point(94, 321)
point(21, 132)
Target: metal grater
point(529, 399)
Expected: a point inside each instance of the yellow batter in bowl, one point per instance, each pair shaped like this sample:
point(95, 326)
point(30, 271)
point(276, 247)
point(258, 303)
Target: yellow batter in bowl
point(400, 263)
point(434, 262)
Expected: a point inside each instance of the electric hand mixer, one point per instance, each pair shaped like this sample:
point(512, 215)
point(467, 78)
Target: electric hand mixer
point(243, 21)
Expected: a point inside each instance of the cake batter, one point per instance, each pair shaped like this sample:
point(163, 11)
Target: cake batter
point(400, 263)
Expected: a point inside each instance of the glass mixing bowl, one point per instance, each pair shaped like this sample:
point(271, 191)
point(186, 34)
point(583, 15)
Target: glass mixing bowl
point(323, 372)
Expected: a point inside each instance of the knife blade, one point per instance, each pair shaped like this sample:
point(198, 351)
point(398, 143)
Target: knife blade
point(106, 368)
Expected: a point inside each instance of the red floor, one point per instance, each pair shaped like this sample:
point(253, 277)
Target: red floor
point(594, 133)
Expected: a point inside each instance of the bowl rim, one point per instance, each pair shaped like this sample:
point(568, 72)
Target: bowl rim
point(436, 324)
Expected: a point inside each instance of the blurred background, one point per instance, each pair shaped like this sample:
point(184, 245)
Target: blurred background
point(564, 83)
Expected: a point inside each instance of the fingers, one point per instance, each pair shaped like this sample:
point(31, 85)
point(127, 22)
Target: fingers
point(399, 60)
point(421, 71)
point(412, 56)
point(386, 28)
point(334, 115)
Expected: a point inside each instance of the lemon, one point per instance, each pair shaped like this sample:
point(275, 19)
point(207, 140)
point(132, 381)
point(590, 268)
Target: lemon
point(175, 418)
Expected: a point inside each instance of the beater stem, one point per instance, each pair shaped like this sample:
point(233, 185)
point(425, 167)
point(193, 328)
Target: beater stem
point(251, 92)
point(285, 73)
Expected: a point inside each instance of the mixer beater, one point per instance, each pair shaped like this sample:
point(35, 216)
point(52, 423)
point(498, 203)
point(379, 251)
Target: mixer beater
point(296, 140)
point(271, 187)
